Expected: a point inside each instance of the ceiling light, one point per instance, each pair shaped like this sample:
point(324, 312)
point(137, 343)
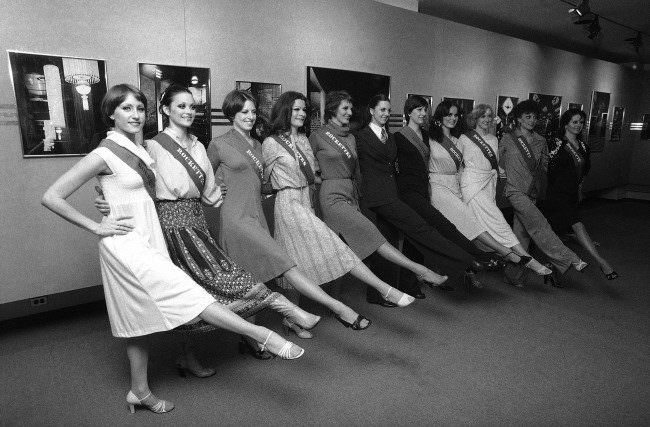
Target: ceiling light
point(581, 9)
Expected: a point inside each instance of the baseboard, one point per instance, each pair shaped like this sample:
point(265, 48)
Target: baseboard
point(45, 303)
point(630, 191)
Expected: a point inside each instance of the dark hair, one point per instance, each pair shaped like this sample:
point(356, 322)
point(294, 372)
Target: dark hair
point(477, 112)
point(234, 102)
point(282, 110)
point(566, 118)
point(115, 96)
point(435, 123)
point(333, 100)
point(375, 100)
point(412, 103)
point(525, 107)
point(261, 128)
point(167, 98)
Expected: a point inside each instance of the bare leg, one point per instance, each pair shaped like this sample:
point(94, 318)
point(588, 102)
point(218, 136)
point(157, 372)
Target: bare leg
point(218, 315)
point(585, 241)
point(138, 353)
point(489, 241)
point(314, 292)
point(389, 293)
point(391, 253)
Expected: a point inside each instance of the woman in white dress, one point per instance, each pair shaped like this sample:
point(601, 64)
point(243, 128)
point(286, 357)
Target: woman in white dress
point(317, 250)
point(478, 180)
point(445, 162)
point(145, 292)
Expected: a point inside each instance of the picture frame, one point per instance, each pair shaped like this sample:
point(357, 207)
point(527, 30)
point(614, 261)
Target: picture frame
point(154, 79)
point(505, 113)
point(575, 105)
point(58, 101)
point(360, 85)
point(266, 94)
point(548, 120)
point(597, 121)
point(465, 106)
point(618, 119)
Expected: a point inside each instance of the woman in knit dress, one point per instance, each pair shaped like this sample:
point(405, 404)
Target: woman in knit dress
point(292, 169)
point(243, 232)
point(145, 292)
point(478, 181)
point(445, 160)
point(335, 150)
point(568, 165)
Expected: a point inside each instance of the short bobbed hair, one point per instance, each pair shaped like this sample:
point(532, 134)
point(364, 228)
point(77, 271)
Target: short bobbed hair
point(376, 99)
point(412, 103)
point(234, 102)
point(526, 107)
point(115, 96)
point(333, 100)
point(477, 112)
point(566, 118)
point(282, 110)
point(435, 122)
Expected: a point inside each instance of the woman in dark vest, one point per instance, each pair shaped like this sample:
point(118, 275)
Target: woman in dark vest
point(568, 165)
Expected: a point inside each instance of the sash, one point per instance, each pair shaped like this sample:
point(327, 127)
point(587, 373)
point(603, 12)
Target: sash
point(340, 147)
point(305, 167)
point(485, 148)
point(453, 151)
point(135, 163)
point(526, 152)
point(414, 139)
point(246, 150)
point(184, 158)
point(577, 158)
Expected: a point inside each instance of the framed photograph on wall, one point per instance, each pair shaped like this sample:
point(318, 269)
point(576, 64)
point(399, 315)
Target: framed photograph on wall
point(575, 105)
point(465, 106)
point(155, 78)
point(505, 107)
point(645, 129)
point(58, 103)
point(597, 121)
point(361, 86)
point(266, 94)
point(550, 109)
point(618, 118)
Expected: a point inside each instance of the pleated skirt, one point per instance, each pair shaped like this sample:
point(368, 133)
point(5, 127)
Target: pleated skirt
point(192, 248)
point(318, 252)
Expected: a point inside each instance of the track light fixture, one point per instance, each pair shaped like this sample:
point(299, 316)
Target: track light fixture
point(581, 9)
point(594, 28)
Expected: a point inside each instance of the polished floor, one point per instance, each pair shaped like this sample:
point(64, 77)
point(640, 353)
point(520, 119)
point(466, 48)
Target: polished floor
point(537, 356)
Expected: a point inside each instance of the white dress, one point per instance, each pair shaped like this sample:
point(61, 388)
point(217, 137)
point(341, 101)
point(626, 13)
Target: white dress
point(478, 185)
point(445, 192)
point(145, 292)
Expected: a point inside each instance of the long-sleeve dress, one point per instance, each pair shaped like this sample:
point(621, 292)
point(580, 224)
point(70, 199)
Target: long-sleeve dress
point(561, 206)
point(243, 231)
point(315, 248)
point(335, 149)
point(189, 242)
point(145, 292)
point(445, 191)
point(478, 181)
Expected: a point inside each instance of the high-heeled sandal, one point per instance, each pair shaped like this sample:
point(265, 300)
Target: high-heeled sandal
point(183, 370)
point(440, 286)
point(247, 347)
point(300, 332)
point(610, 276)
point(580, 265)
point(526, 261)
point(356, 325)
point(471, 281)
point(293, 313)
point(158, 406)
point(552, 278)
point(404, 300)
point(285, 350)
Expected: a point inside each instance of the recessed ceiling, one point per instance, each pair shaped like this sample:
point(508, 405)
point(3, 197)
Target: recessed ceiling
point(548, 22)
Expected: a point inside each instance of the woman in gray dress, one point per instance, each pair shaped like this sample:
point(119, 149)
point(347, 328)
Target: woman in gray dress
point(335, 149)
point(243, 232)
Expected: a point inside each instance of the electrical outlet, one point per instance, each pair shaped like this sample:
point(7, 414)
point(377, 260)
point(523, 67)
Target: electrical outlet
point(38, 301)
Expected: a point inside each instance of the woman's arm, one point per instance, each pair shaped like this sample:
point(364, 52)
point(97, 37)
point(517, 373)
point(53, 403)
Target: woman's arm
point(55, 198)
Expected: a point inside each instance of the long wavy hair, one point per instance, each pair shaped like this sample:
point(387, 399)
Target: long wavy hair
point(435, 123)
point(282, 110)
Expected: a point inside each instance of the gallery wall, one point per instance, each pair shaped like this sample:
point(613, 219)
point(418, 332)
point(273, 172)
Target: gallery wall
point(265, 41)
